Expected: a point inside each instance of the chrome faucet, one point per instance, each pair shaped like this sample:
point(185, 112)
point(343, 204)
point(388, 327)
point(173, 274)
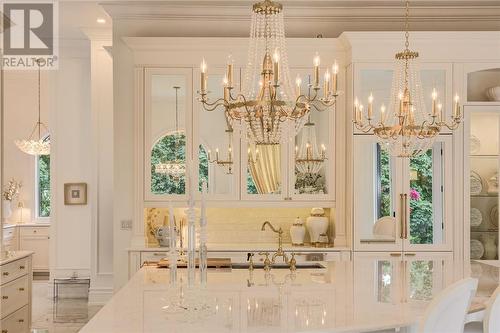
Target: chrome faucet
point(280, 252)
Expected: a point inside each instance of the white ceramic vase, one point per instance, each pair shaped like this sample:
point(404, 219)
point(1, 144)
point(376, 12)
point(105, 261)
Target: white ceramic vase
point(317, 224)
point(490, 249)
point(298, 232)
point(6, 209)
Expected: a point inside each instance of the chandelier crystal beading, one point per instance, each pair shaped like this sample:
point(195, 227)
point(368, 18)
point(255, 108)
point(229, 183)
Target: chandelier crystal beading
point(308, 157)
point(36, 145)
point(267, 103)
point(405, 128)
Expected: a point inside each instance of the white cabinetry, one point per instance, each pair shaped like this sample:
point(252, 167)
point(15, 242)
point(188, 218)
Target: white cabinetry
point(36, 239)
point(15, 292)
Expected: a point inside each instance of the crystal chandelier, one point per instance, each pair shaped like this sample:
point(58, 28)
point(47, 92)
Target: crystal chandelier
point(228, 162)
point(267, 103)
point(33, 145)
point(308, 158)
point(175, 168)
point(406, 129)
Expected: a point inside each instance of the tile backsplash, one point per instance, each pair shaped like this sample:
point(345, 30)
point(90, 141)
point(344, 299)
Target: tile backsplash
point(238, 225)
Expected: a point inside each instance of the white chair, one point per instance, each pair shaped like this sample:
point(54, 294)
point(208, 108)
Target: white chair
point(491, 320)
point(385, 227)
point(446, 312)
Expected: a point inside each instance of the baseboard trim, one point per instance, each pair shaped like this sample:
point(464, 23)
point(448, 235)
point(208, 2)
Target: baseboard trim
point(100, 296)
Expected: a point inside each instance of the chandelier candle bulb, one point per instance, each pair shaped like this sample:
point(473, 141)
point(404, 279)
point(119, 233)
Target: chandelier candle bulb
point(335, 72)
point(370, 106)
point(434, 101)
point(400, 96)
point(316, 70)
point(276, 67)
point(323, 151)
point(217, 154)
point(456, 108)
point(382, 114)
point(203, 76)
point(298, 83)
point(440, 111)
point(326, 84)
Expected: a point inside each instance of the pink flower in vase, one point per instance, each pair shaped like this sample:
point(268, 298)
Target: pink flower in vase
point(414, 195)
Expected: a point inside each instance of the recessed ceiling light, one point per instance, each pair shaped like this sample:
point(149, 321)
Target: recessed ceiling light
point(101, 20)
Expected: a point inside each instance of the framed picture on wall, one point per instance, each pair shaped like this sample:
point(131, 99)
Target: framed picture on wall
point(75, 193)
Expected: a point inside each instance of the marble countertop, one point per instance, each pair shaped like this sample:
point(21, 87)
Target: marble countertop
point(15, 255)
point(366, 293)
point(250, 247)
point(27, 224)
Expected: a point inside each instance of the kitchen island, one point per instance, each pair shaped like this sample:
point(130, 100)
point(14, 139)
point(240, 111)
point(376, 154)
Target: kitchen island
point(366, 293)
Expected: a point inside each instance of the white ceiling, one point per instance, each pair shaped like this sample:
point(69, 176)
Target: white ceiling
point(303, 18)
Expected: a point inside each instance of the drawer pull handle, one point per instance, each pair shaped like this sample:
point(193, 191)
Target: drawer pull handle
point(22, 267)
point(21, 320)
point(34, 231)
point(5, 331)
point(21, 289)
point(5, 297)
point(5, 273)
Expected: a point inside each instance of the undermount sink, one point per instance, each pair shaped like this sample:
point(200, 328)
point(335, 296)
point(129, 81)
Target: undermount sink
point(306, 265)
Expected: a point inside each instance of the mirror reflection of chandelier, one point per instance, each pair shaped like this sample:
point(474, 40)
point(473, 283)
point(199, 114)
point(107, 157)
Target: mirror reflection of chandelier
point(308, 157)
point(227, 163)
point(175, 168)
point(267, 103)
point(39, 145)
point(406, 129)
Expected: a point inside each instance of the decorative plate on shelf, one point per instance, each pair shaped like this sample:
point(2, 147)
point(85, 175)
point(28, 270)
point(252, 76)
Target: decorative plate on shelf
point(475, 145)
point(494, 215)
point(476, 249)
point(476, 217)
point(476, 183)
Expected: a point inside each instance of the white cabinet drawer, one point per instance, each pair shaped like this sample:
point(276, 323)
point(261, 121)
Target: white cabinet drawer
point(8, 233)
point(18, 322)
point(34, 231)
point(14, 269)
point(152, 256)
point(14, 295)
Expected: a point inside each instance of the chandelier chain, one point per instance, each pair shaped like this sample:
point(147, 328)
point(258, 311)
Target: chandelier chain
point(39, 103)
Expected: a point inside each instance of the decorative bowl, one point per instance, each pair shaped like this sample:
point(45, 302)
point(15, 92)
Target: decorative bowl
point(493, 93)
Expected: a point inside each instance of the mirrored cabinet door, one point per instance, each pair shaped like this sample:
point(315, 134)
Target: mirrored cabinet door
point(377, 202)
point(216, 144)
point(311, 151)
point(167, 134)
point(428, 198)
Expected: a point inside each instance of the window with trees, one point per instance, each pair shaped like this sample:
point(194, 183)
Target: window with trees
point(43, 184)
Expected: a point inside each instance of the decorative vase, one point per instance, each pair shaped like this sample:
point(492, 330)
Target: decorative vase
point(298, 232)
point(163, 236)
point(6, 209)
point(317, 224)
point(490, 249)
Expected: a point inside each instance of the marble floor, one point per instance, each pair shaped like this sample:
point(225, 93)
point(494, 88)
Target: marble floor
point(66, 315)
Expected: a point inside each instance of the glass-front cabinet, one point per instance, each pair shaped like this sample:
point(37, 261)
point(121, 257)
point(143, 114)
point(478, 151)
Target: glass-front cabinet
point(481, 149)
point(185, 143)
point(402, 204)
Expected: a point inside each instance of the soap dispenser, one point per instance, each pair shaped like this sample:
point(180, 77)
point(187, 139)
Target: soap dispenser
point(298, 232)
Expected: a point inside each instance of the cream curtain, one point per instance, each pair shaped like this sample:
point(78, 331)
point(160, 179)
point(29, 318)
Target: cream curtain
point(266, 171)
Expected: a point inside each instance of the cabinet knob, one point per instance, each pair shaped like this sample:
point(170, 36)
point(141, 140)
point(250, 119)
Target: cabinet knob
point(5, 331)
point(34, 231)
point(5, 274)
point(22, 267)
point(5, 297)
point(21, 320)
point(21, 289)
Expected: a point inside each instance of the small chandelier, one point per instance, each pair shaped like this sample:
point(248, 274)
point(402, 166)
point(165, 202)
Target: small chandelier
point(33, 146)
point(175, 168)
point(267, 102)
point(228, 162)
point(406, 129)
point(308, 158)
